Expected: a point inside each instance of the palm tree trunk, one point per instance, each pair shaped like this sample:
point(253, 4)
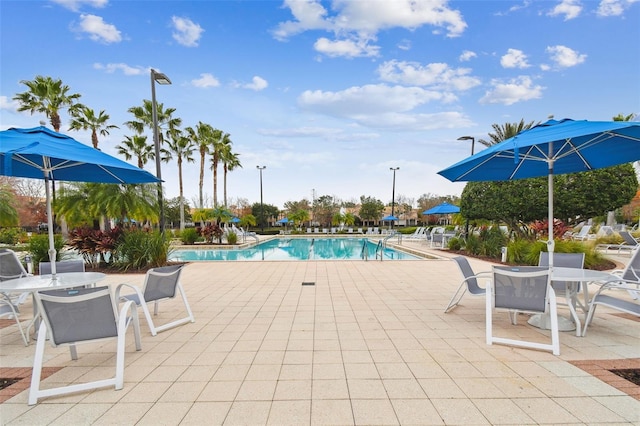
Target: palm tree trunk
point(181, 204)
point(215, 186)
point(201, 206)
point(225, 186)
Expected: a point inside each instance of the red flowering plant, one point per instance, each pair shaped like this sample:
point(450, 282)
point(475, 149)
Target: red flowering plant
point(211, 231)
point(94, 244)
point(541, 229)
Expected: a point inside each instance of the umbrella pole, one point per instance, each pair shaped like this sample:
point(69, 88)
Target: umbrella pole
point(550, 241)
point(52, 246)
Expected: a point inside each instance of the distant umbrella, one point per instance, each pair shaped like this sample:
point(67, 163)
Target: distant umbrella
point(444, 208)
point(389, 218)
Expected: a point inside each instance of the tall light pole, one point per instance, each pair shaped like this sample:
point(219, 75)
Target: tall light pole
point(468, 138)
point(393, 193)
point(261, 168)
point(160, 78)
point(473, 142)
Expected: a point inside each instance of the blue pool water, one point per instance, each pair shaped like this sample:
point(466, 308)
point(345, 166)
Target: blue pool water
point(295, 249)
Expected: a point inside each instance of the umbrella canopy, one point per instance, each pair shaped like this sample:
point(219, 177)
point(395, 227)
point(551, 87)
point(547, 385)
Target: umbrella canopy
point(553, 147)
point(235, 219)
point(41, 153)
point(283, 220)
point(389, 218)
point(443, 208)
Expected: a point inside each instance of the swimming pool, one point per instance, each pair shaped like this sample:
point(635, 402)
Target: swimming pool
point(295, 249)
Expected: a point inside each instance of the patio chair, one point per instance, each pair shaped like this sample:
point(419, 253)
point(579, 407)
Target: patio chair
point(469, 283)
point(604, 297)
point(11, 268)
point(85, 315)
point(565, 260)
point(62, 267)
point(159, 284)
point(8, 309)
point(631, 273)
point(522, 289)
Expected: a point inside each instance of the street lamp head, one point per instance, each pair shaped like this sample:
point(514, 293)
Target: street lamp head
point(261, 167)
point(394, 168)
point(160, 78)
point(466, 138)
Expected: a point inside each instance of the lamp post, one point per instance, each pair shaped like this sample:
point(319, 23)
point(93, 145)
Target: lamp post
point(393, 193)
point(473, 142)
point(160, 78)
point(261, 168)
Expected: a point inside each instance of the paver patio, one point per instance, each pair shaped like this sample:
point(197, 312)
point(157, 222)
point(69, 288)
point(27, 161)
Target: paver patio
point(367, 344)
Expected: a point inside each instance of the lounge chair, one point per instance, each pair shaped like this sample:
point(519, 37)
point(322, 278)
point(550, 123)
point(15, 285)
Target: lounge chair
point(11, 311)
point(629, 243)
point(583, 234)
point(522, 289)
point(418, 234)
point(631, 273)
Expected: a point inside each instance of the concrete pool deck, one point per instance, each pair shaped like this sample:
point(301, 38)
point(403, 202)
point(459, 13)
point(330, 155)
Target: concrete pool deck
point(367, 344)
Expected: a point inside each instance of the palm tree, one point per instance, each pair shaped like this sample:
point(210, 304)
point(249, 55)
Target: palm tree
point(219, 140)
point(182, 147)
point(230, 161)
point(143, 117)
point(136, 146)
point(202, 136)
point(47, 96)
point(84, 118)
point(505, 132)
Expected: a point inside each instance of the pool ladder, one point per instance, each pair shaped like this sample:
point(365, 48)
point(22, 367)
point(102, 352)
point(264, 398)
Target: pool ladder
point(382, 244)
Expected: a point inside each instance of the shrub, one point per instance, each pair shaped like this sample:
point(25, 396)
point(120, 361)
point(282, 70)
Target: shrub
point(211, 231)
point(473, 244)
point(11, 236)
point(38, 246)
point(232, 238)
point(492, 240)
point(454, 244)
point(141, 250)
point(189, 236)
point(93, 244)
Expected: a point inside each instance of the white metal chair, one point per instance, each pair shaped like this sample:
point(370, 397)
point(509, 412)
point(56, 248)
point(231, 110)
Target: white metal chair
point(62, 267)
point(83, 315)
point(522, 289)
point(10, 310)
point(11, 268)
point(583, 234)
point(469, 283)
point(617, 303)
point(159, 284)
point(631, 273)
point(568, 290)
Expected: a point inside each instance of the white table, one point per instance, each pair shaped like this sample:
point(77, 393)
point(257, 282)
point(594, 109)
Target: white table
point(571, 276)
point(35, 283)
point(46, 282)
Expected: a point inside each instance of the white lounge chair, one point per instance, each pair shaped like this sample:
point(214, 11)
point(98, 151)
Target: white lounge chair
point(583, 234)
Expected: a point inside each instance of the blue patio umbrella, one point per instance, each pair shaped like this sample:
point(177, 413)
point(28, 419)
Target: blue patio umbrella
point(553, 147)
point(283, 220)
point(41, 153)
point(443, 208)
point(235, 219)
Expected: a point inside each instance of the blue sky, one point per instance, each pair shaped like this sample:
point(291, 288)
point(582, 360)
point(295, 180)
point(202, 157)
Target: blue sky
point(329, 95)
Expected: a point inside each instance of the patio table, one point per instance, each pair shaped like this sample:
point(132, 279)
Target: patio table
point(572, 276)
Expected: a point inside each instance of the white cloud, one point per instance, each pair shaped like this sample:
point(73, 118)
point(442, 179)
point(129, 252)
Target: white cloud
point(565, 57)
point(383, 106)
point(515, 90)
point(8, 104)
point(467, 55)
point(75, 5)
point(347, 48)
point(98, 30)
point(570, 9)
point(187, 33)
point(126, 69)
point(257, 84)
point(435, 75)
point(206, 80)
point(355, 23)
point(613, 7)
point(404, 45)
point(514, 58)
